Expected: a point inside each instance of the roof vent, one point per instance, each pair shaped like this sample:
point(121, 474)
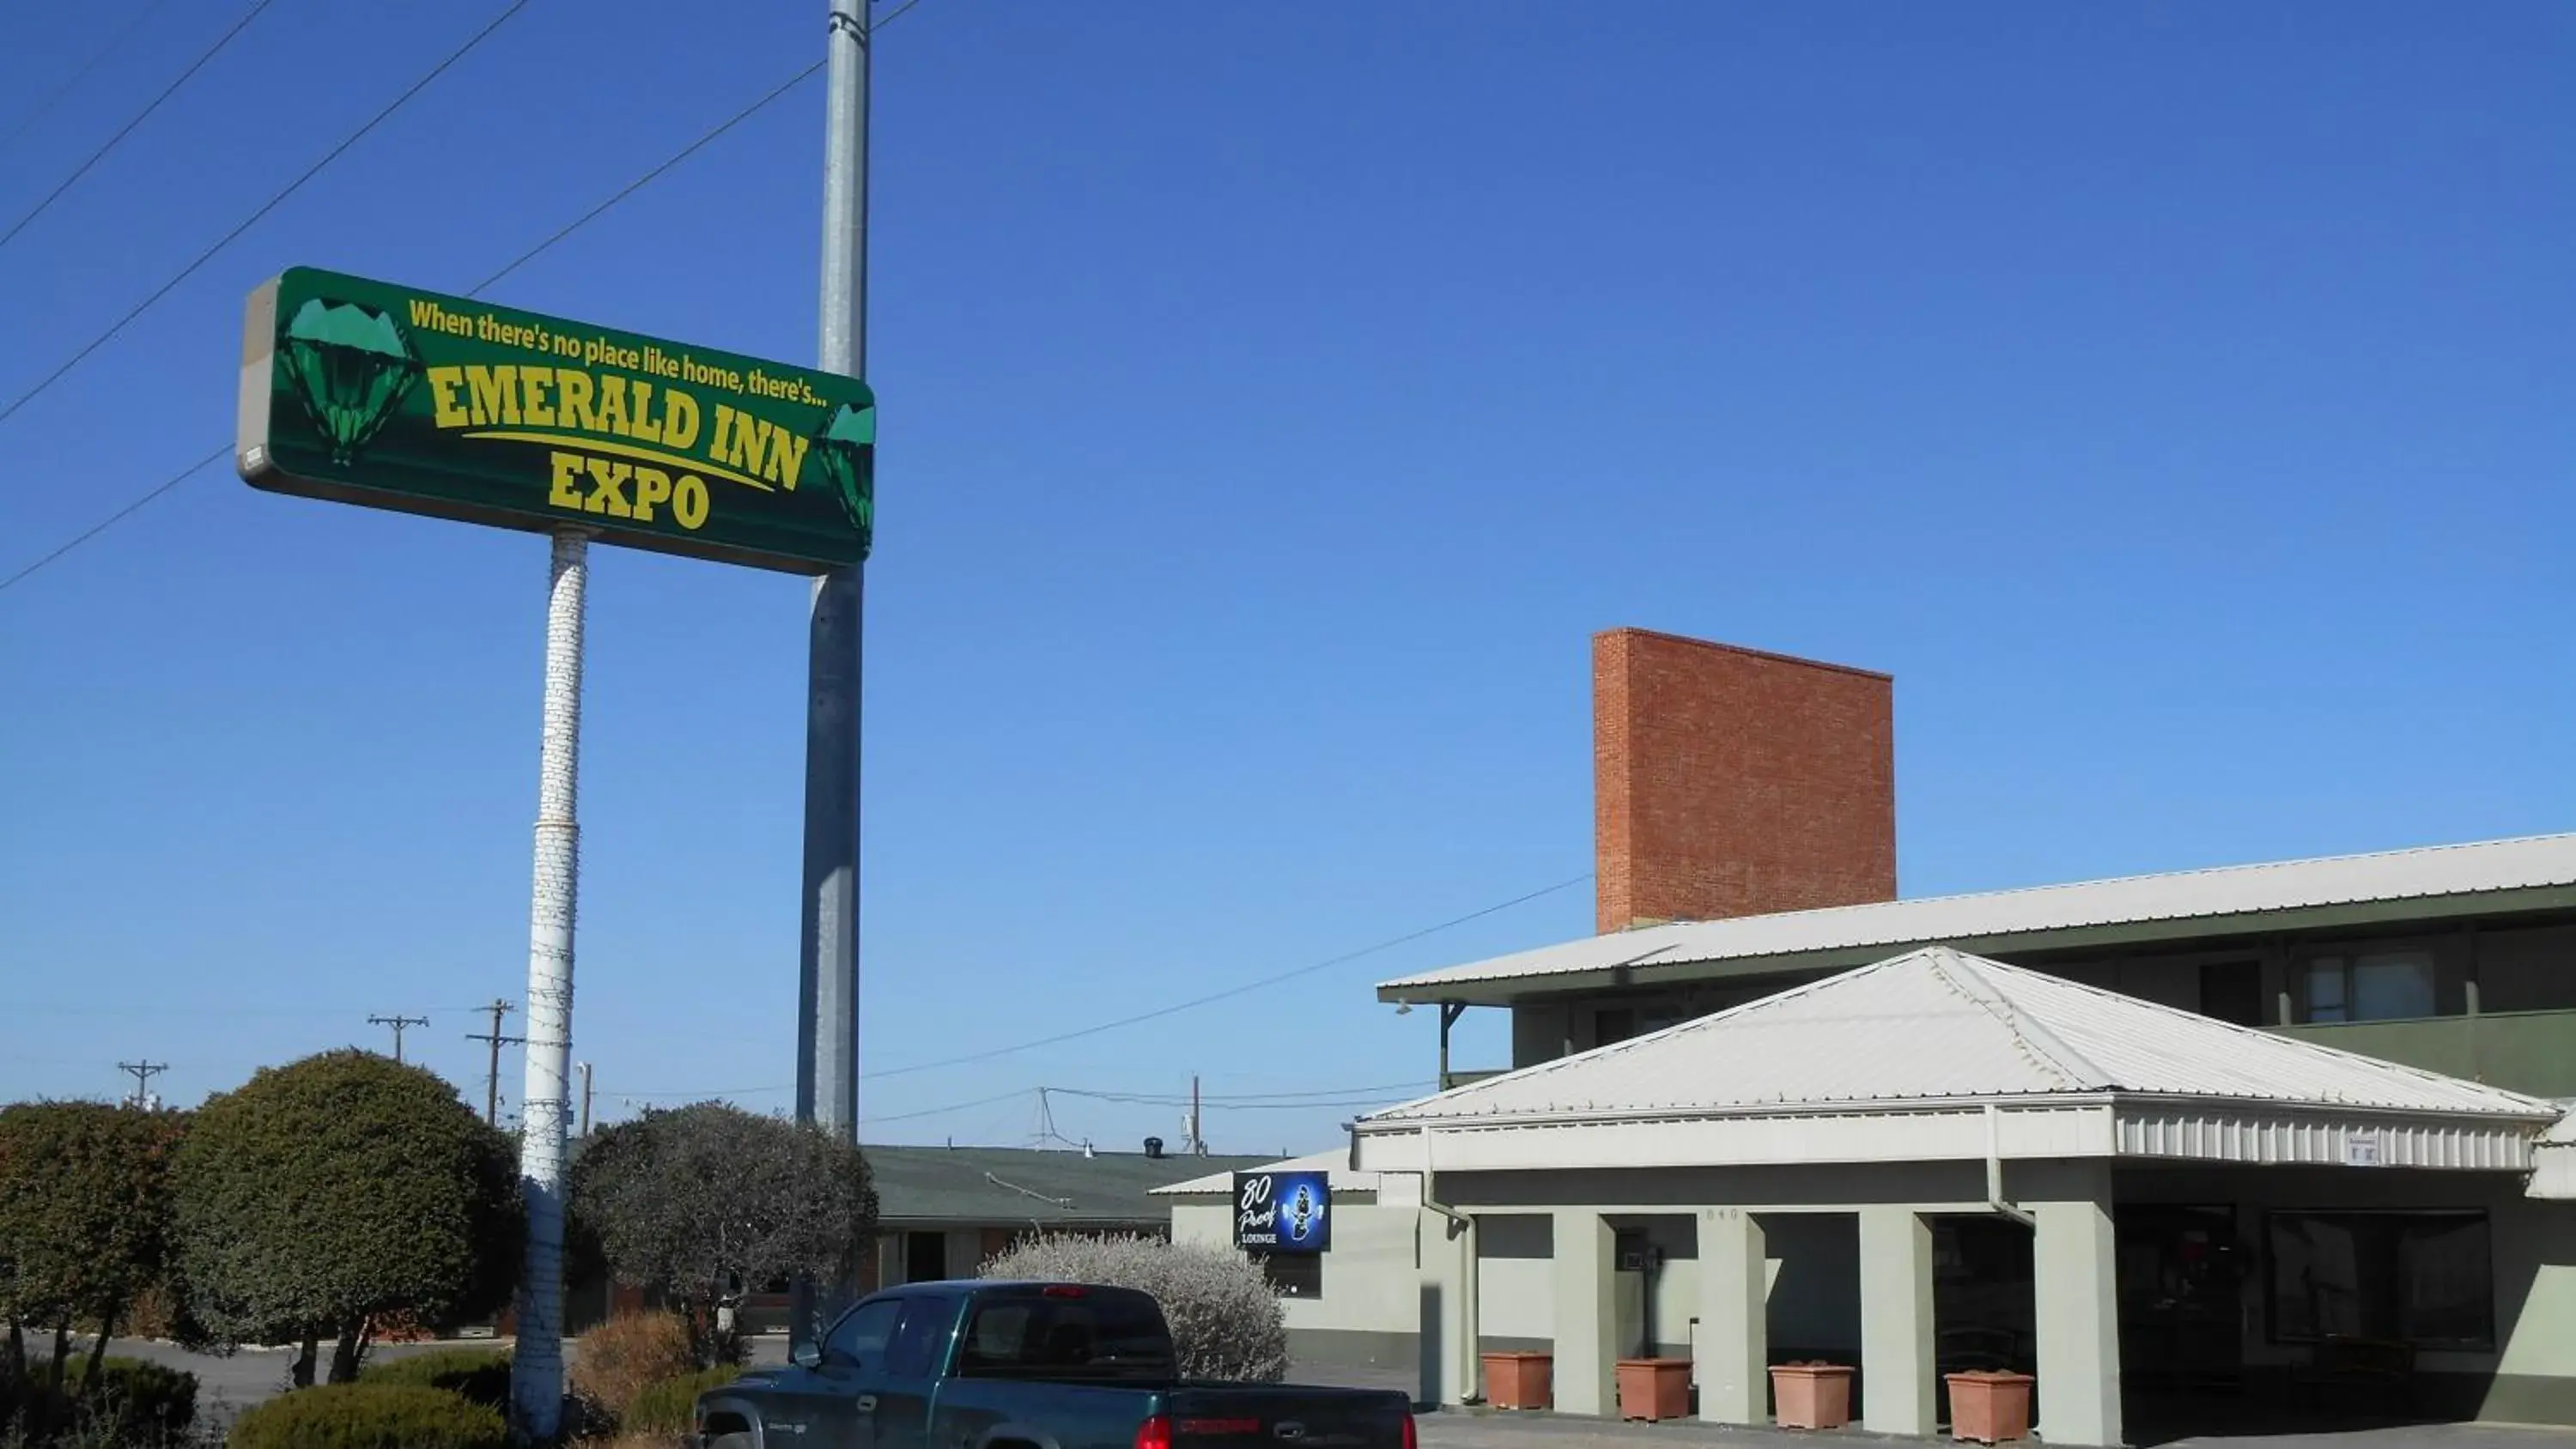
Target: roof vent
point(1153, 1149)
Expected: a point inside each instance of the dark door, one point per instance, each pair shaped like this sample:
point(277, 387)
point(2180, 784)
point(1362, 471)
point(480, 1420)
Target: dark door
point(2181, 1277)
point(913, 1363)
point(925, 1257)
point(2232, 991)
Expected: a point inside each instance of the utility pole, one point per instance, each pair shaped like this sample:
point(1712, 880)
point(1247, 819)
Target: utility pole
point(827, 1034)
point(585, 1100)
point(492, 1074)
point(398, 1023)
point(1198, 1135)
point(144, 1072)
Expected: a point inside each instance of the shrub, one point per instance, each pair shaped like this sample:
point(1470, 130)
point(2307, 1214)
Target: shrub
point(1226, 1321)
point(369, 1416)
point(476, 1375)
point(615, 1362)
point(136, 1404)
point(145, 1402)
point(668, 1407)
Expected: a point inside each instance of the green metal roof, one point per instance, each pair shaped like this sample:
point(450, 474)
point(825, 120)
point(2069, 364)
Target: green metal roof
point(1010, 1185)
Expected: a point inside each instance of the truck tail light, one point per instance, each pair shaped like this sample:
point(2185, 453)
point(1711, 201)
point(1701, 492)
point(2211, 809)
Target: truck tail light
point(1154, 1433)
point(1412, 1434)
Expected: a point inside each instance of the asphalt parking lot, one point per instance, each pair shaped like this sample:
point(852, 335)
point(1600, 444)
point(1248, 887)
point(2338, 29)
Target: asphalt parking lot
point(227, 1385)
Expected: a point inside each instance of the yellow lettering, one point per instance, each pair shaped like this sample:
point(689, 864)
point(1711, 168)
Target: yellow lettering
point(786, 456)
point(492, 394)
point(444, 382)
point(652, 486)
point(608, 488)
point(689, 500)
point(575, 405)
point(679, 419)
point(567, 473)
point(645, 428)
point(532, 396)
point(739, 440)
point(612, 406)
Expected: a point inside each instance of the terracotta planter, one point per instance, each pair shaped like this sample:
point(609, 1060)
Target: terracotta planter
point(1811, 1395)
point(1990, 1407)
point(1520, 1380)
point(1654, 1388)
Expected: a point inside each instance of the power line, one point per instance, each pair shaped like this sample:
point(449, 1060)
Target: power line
point(475, 291)
point(1232, 991)
point(127, 129)
point(72, 82)
point(119, 516)
point(649, 177)
point(1197, 1001)
point(274, 202)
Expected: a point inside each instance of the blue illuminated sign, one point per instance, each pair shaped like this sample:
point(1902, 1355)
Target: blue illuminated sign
point(1283, 1212)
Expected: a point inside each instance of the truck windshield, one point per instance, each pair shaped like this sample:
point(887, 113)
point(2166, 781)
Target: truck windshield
point(1097, 1338)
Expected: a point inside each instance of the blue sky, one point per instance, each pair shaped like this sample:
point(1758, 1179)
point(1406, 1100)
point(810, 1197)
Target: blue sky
point(2173, 399)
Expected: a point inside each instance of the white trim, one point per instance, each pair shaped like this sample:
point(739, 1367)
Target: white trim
point(2524, 873)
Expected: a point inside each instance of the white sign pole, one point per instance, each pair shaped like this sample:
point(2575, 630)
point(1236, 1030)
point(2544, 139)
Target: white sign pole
point(536, 1367)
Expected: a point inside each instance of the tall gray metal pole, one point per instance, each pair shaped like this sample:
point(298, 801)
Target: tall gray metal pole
point(827, 1034)
point(536, 1366)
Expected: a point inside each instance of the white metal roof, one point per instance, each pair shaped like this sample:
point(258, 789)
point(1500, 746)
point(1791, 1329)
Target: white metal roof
point(1337, 1162)
point(1936, 1024)
point(1992, 919)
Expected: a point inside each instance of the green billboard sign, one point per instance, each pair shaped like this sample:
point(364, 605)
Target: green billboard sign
point(366, 392)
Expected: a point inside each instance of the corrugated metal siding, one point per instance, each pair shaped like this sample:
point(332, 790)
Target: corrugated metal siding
point(2487, 866)
point(2323, 1141)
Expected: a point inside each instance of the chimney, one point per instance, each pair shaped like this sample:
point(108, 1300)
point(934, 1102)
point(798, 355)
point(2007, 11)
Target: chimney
point(1730, 782)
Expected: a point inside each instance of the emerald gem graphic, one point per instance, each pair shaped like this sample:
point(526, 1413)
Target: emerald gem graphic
point(845, 452)
point(349, 367)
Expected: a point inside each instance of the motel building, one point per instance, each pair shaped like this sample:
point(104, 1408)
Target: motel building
point(2256, 1145)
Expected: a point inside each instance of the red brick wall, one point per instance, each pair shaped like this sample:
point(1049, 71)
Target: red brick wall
point(1729, 782)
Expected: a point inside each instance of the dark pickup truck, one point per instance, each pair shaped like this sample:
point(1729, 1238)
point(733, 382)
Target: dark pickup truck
point(976, 1365)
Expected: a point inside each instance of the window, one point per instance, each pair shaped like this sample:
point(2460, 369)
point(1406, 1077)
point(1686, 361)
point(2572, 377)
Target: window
point(860, 1337)
point(1294, 1275)
point(1613, 1024)
point(2232, 991)
point(2422, 1278)
point(1109, 1335)
point(920, 1338)
point(2385, 986)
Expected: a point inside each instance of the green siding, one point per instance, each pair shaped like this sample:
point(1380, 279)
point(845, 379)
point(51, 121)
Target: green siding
point(2522, 1051)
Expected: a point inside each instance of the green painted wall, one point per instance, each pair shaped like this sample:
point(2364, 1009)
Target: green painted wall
point(2523, 1051)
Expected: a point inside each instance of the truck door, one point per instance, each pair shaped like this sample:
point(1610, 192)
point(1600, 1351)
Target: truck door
point(826, 1406)
point(914, 1361)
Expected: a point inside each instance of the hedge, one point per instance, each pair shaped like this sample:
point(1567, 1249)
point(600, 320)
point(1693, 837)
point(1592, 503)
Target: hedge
point(369, 1416)
point(477, 1375)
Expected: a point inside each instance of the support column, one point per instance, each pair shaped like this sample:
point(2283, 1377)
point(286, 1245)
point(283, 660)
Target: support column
point(1734, 1341)
point(1896, 1362)
point(1445, 1336)
point(2078, 1322)
point(1586, 1315)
